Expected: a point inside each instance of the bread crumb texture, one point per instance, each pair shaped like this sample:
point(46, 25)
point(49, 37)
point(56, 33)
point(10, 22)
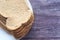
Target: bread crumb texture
point(16, 11)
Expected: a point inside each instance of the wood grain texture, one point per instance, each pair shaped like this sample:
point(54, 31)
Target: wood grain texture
point(46, 25)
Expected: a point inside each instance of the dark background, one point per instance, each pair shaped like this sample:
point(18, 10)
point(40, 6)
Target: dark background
point(46, 25)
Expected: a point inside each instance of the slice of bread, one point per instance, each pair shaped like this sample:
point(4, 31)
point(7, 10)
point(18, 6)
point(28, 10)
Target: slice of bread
point(15, 16)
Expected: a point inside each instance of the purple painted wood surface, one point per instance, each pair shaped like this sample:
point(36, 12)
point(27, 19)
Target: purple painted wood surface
point(46, 25)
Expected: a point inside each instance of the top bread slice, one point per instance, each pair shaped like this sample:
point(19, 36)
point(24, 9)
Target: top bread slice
point(16, 13)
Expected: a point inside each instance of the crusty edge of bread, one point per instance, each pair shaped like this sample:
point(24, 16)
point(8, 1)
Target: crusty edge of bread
point(22, 27)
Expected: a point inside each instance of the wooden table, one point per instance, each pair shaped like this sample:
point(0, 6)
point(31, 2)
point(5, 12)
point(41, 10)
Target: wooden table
point(46, 25)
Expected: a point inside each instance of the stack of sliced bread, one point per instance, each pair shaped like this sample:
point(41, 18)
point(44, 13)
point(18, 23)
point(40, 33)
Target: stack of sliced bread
point(15, 17)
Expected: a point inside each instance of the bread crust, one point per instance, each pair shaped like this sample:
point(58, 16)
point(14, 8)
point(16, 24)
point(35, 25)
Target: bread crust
point(21, 30)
